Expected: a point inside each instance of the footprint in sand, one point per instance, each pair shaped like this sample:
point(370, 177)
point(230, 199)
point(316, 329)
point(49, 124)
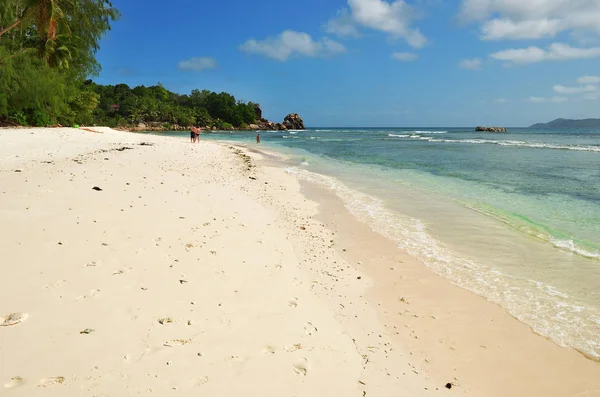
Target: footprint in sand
point(12, 319)
point(268, 350)
point(310, 329)
point(14, 382)
point(177, 342)
point(55, 285)
point(90, 294)
point(56, 380)
point(293, 302)
point(293, 348)
point(301, 367)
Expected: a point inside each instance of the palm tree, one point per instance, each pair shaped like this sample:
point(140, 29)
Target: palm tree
point(46, 15)
point(56, 52)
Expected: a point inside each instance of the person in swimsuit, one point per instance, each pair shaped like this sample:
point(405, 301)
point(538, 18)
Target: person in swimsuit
point(198, 134)
point(257, 138)
point(193, 135)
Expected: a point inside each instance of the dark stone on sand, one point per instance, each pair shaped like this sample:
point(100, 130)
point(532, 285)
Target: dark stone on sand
point(96, 188)
point(448, 386)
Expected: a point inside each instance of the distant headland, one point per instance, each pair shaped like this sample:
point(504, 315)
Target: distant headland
point(569, 123)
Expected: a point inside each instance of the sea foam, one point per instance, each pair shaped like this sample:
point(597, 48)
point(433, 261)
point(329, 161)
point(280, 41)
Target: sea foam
point(545, 308)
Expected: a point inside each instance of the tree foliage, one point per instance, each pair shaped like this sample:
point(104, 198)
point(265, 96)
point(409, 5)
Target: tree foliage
point(120, 104)
point(47, 50)
point(47, 55)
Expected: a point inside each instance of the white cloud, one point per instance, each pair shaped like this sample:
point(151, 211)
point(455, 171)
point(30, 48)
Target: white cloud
point(561, 89)
point(471, 64)
point(532, 19)
point(554, 99)
point(589, 80)
point(404, 56)
point(289, 43)
point(555, 52)
point(500, 100)
point(393, 18)
point(498, 29)
point(198, 64)
point(343, 25)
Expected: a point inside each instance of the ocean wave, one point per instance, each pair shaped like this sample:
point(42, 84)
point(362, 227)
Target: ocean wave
point(398, 136)
point(535, 145)
point(545, 308)
point(430, 132)
point(557, 238)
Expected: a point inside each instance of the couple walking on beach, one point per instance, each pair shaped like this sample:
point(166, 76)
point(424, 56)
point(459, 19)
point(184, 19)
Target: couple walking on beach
point(195, 135)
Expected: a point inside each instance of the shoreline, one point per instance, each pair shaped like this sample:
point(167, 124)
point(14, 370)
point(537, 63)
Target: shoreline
point(293, 295)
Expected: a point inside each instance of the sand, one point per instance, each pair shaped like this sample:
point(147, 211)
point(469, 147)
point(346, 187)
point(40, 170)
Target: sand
point(206, 269)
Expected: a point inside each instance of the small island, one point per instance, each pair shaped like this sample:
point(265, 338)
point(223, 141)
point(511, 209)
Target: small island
point(569, 123)
point(490, 129)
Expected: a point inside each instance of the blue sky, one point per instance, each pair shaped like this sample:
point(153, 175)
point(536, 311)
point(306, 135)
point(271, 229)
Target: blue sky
point(369, 62)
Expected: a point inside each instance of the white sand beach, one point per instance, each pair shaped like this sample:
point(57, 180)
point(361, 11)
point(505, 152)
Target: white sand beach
point(205, 269)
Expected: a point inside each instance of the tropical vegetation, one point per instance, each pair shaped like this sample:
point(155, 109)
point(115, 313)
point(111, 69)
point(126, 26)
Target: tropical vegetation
point(48, 58)
point(120, 105)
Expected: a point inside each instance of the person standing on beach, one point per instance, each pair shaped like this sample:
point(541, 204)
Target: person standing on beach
point(198, 134)
point(257, 138)
point(193, 135)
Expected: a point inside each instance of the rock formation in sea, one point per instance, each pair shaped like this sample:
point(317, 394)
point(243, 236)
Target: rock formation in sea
point(490, 129)
point(293, 121)
point(258, 111)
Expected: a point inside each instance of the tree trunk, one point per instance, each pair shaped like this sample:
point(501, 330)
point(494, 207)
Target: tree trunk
point(11, 26)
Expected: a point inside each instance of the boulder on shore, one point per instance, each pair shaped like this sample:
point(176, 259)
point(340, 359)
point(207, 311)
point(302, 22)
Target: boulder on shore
point(490, 129)
point(280, 127)
point(293, 121)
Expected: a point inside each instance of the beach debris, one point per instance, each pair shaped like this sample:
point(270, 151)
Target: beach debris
point(146, 144)
point(14, 382)
point(117, 272)
point(358, 278)
point(293, 348)
point(182, 281)
point(448, 385)
point(302, 228)
point(177, 342)
point(12, 319)
point(166, 320)
point(18, 171)
point(251, 177)
point(86, 331)
point(56, 380)
point(96, 188)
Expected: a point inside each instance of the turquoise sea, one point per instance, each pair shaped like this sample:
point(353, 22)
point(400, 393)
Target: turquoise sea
point(513, 217)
